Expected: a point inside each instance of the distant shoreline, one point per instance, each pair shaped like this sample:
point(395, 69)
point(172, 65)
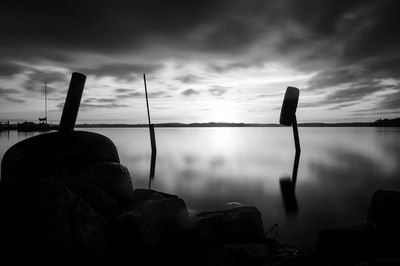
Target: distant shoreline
point(378, 123)
point(197, 125)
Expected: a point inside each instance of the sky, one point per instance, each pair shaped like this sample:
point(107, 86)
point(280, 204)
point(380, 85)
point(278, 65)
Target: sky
point(205, 61)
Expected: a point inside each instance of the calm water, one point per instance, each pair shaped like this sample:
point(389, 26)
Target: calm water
point(339, 170)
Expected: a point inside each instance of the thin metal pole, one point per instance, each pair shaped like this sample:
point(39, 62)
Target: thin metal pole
point(152, 138)
point(147, 100)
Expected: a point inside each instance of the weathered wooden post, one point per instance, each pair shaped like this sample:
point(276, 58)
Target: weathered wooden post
point(72, 102)
point(288, 118)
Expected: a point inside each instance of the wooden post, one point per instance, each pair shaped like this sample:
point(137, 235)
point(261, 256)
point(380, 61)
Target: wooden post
point(288, 118)
point(72, 102)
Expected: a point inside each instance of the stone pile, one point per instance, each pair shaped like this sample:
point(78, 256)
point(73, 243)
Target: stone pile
point(73, 222)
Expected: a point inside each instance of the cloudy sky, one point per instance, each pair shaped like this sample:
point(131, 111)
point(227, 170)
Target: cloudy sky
point(208, 60)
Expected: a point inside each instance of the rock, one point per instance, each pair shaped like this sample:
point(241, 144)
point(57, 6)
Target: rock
point(129, 239)
point(164, 213)
point(384, 210)
point(305, 260)
point(355, 244)
point(113, 178)
point(97, 199)
point(51, 225)
point(239, 254)
point(381, 262)
point(237, 225)
point(141, 195)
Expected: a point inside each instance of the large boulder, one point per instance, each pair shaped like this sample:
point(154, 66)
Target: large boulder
point(48, 224)
point(381, 262)
point(205, 234)
point(356, 243)
point(384, 210)
point(96, 198)
point(113, 178)
point(129, 240)
point(164, 213)
point(237, 225)
point(239, 255)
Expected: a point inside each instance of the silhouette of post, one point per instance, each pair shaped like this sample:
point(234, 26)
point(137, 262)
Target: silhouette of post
point(72, 102)
point(152, 138)
point(298, 151)
point(288, 118)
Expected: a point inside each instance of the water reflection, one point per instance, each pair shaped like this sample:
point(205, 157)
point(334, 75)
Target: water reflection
point(209, 167)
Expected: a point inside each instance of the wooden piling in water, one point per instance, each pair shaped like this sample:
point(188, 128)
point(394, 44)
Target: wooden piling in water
point(72, 102)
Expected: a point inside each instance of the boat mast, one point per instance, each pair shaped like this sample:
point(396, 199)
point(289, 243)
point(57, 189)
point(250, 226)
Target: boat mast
point(45, 101)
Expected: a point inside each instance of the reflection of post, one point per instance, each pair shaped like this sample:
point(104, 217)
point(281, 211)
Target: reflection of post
point(153, 154)
point(152, 138)
point(8, 130)
point(298, 151)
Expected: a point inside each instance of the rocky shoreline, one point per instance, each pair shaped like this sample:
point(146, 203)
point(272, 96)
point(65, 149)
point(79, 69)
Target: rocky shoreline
point(70, 221)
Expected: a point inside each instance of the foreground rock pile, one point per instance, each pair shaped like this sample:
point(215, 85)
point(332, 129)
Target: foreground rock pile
point(375, 242)
point(73, 222)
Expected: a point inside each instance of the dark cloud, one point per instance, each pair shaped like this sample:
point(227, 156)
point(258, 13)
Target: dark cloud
point(8, 69)
point(361, 47)
point(390, 101)
point(222, 68)
point(134, 94)
point(100, 26)
point(36, 80)
point(217, 90)
point(190, 78)
point(106, 106)
point(304, 105)
point(333, 77)
point(271, 95)
point(123, 72)
point(158, 94)
point(122, 90)
point(99, 100)
point(190, 92)
point(14, 100)
point(355, 92)
point(6, 92)
point(10, 95)
point(347, 32)
point(341, 106)
point(123, 93)
point(344, 43)
point(86, 105)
